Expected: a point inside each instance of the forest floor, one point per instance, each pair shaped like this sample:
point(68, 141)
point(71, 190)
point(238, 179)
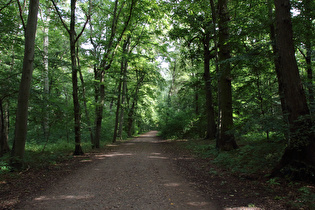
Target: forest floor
point(143, 173)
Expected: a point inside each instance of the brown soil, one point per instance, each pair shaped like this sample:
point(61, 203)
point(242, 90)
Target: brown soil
point(143, 173)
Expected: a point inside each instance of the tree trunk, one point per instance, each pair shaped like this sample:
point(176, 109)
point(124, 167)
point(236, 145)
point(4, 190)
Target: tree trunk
point(124, 66)
point(74, 65)
point(208, 88)
point(225, 140)
point(117, 111)
point(17, 153)
point(298, 159)
point(99, 99)
point(4, 146)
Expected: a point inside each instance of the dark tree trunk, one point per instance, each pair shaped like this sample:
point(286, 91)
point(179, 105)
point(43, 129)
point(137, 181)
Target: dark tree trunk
point(276, 62)
point(298, 159)
point(117, 112)
point(17, 153)
point(4, 146)
point(99, 99)
point(124, 66)
point(74, 64)
point(225, 140)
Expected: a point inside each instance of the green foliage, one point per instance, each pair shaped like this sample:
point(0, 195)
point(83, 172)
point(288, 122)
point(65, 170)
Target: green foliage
point(254, 155)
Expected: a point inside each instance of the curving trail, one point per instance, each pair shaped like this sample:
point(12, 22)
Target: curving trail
point(135, 175)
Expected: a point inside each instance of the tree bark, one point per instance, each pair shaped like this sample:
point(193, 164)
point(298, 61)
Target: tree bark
point(99, 99)
point(74, 65)
point(277, 64)
point(225, 140)
point(124, 66)
point(17, 153)
point(117, 111)
point(4, 146)
point(298, 159)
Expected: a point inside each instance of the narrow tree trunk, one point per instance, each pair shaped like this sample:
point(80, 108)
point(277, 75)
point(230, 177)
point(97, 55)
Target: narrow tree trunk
point(18, 149)
point(298, 158)
point(74, 64)
point(124, 66)
point(122, 108)
point(225, 140)
point(117, 112)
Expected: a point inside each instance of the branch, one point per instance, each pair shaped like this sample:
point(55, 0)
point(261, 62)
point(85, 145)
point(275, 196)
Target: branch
point(87, 20)
point(60, 17)
point(302, 52)
point(20, 9)
point(6, 5)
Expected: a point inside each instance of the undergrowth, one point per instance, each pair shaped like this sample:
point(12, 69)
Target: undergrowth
point(39, 155)
point(254, 156)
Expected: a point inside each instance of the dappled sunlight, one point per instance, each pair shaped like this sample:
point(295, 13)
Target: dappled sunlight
point(243, 208)
point(115, 154)
point(172, 184)
point(129, 143)
point(158, 157)
point(112, 145)
point(63, 197)
point(85, 161)
point(149, 134)
point(198, 204)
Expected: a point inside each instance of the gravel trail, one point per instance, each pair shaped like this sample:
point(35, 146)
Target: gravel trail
point(137, 174)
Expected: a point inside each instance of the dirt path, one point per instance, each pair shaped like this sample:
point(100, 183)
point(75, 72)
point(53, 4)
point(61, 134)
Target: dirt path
point(135, 175)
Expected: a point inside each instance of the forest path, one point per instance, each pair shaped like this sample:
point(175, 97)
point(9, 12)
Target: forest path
point(137, 174)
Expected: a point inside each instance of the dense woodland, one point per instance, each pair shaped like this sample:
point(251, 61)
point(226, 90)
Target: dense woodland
point(237, 74)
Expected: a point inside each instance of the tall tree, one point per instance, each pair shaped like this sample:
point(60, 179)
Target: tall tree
point(17, 153)
point(114, 33)
point(74, 37)
point(225, 140)
point(298, 158)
